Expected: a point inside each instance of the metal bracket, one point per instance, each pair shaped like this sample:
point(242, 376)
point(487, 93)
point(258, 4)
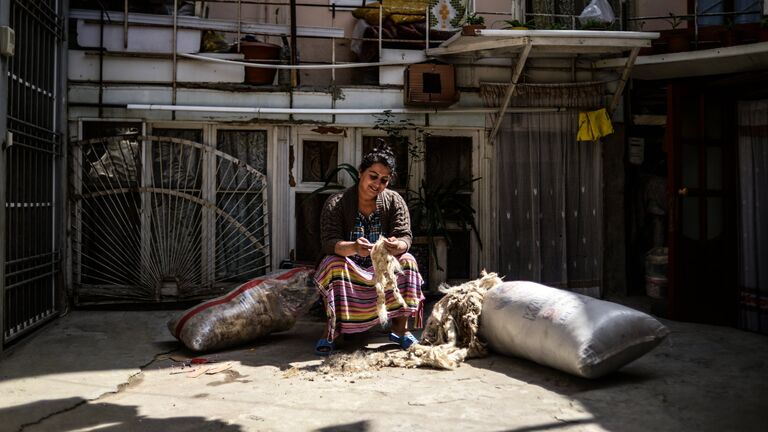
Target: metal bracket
point(7, 41)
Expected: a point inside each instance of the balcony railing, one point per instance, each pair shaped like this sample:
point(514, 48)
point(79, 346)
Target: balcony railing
point(704, 30)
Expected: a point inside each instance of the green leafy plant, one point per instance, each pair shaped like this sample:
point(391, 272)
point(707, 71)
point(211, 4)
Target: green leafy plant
point(474, 19)
point(398, 134)
point(516, 23)
point(764, 22)
point(594, 25)
point(330, 181)
point(729, 24)
point(434, 208)
point(556, 26)
point(676, 20)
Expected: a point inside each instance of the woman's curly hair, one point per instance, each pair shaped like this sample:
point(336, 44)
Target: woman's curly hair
point(380, 154)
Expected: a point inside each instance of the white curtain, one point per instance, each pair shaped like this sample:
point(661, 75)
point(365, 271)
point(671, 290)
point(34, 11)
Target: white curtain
point(550, 209)
point(753, 215)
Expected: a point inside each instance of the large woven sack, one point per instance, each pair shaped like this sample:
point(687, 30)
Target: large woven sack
point(568, 331)
point(256, 308)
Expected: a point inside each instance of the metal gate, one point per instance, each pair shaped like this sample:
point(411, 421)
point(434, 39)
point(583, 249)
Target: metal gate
point(29, 215)
point(161, 218)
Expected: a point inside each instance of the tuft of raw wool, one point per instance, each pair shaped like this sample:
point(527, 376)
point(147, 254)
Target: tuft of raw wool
point(450, 335)
point(454, 322)
point(386, 268)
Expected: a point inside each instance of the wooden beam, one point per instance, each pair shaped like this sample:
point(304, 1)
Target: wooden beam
point(604, 43)
point(623, 80)
point(478, 44)
point(510, 90)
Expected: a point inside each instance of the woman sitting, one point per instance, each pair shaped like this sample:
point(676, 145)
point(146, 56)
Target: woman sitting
point(350, 223)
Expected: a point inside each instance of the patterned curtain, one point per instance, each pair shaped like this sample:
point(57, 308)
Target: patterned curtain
point(550, 209)
point(753, 231)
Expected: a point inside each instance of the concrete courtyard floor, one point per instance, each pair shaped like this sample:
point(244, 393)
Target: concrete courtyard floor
point(113, 371)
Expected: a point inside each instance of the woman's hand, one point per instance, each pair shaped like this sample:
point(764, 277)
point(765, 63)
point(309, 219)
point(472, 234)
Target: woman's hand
point(395, 246)
point(363, 247)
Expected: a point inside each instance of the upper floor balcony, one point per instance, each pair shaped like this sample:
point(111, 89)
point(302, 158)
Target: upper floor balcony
point(310, 44)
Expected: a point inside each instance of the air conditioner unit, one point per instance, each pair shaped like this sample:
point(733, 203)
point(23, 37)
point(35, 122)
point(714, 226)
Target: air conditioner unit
point(431, 84)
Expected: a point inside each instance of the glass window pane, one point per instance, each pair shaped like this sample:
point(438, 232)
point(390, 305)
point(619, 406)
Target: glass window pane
point(448, 159)
point(691, 217)
point(714, 168)
point(177, 166)
point(714, 217)
point(319, 159)
point(111, 161)
point(100, 129)
point(239, 193)
point(710, 7)
point(690, 166)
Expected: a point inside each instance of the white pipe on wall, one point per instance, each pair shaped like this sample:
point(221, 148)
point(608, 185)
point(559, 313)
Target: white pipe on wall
point(340, 111)
point(279, 66)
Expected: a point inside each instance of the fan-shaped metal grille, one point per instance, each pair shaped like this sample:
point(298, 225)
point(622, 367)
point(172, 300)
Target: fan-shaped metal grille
point(164, 218)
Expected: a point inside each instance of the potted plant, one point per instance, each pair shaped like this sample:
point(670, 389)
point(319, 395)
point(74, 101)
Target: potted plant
point(438, 209)
point(594, 24)
point(730, 35)
point(472, 23)
point(678, 39)
point(259, 52)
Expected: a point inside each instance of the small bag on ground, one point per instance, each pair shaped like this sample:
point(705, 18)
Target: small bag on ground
point(568, 331)
point(264, 305)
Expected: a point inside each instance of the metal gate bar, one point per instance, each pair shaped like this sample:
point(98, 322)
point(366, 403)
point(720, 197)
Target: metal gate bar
point(32, 251)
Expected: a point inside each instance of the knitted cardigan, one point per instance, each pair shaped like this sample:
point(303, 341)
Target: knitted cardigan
point(339, 211)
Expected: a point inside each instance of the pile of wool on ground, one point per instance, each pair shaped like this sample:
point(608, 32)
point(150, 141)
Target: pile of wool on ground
point(450, 334)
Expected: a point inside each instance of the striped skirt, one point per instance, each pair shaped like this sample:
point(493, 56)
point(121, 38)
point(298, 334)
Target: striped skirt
point(350, 296)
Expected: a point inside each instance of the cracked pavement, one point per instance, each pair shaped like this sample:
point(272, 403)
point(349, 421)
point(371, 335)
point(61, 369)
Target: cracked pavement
point(112, 371)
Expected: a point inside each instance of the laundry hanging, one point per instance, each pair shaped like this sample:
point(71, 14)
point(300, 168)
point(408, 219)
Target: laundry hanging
point(594, 125)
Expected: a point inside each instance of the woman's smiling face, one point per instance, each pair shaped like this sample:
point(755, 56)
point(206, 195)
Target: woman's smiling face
point(373, 180)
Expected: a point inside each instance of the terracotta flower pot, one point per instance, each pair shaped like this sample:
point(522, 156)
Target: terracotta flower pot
point(470, 29)
point(260, 51)
point(676, 40)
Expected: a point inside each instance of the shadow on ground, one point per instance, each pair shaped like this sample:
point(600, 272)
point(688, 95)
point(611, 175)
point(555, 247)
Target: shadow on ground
point(78, 414)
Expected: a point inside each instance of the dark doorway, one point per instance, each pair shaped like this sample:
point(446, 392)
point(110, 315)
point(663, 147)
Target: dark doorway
point(701, 139)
